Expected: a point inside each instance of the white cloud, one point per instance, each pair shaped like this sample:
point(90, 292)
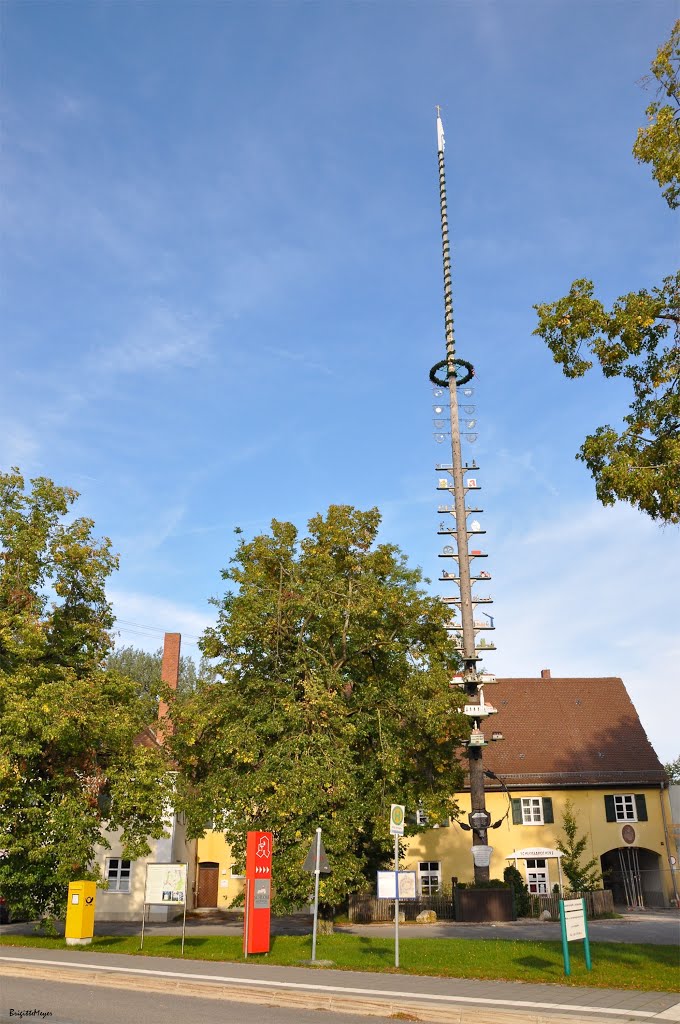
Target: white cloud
point(593, 592)
point(162, 338)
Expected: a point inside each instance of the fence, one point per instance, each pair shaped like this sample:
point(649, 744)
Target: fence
point(365, 909)
point(598, 902)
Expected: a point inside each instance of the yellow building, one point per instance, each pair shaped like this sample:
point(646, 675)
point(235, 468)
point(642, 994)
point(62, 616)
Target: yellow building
point(559, 740)
point(218, 877)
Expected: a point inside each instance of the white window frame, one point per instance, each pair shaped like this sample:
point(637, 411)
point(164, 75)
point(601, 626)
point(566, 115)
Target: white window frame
point(532, 810)
point(429, 871)
point(625, 807)
point(538, 876)
point(116, 880)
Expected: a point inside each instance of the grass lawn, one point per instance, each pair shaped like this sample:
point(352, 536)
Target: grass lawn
point(615, 965)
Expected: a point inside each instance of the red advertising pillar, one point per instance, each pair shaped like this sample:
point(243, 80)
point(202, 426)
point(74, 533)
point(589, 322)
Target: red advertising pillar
point(258, 892)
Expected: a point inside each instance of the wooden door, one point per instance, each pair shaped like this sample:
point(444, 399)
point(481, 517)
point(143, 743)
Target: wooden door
point(207, 884)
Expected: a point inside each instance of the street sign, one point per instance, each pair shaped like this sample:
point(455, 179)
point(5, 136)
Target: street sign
point(397, 818)
point(310, 860)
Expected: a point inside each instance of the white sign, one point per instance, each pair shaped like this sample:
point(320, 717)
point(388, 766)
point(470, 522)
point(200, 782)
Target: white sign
point(397, 818)
point(574, 919)
point(387, 888)
point(165, 883)
point(534, 851)
point(575, 927)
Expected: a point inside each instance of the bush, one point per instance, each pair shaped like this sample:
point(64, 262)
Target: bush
point(521, 901)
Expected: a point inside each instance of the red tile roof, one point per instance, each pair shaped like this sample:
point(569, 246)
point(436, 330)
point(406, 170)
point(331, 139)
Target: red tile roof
point(567, 732)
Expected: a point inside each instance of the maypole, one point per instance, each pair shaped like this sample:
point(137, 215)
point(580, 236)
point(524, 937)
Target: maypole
point(454, 373)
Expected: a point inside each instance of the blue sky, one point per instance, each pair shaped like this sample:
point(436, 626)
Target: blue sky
point(222, 293)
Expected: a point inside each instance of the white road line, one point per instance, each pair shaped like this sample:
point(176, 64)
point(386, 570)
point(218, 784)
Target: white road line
point(391, 993)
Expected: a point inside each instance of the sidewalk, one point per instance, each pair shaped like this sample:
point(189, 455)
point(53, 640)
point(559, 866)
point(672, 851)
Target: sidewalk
point(444, 1000)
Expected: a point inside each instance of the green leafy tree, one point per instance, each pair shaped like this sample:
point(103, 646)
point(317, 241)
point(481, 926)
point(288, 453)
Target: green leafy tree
point(581, 877)
point(69, 763)
point(673, 771)
point(335, 703)
point(658, 143)
point(638, 339)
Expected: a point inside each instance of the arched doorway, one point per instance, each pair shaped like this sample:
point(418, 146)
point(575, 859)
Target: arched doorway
point(208, 872)
point(633, 873)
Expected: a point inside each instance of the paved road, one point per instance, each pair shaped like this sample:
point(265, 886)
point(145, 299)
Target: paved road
point(657, 927)
point(83, 1004)
point(446, 1000)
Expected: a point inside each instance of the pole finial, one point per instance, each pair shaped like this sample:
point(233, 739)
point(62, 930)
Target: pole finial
point(439, 110)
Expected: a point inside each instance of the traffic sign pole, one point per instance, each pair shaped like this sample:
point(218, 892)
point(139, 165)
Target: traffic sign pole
point(396, 900)
point(317, 872)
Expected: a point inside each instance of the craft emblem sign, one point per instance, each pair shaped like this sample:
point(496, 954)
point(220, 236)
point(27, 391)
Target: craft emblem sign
point(397, 817)
point(628, 834)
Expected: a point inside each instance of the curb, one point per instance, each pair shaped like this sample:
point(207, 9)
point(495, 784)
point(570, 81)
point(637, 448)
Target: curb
point(273, 995)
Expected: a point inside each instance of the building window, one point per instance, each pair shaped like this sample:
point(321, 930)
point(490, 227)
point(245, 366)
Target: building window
point(118, 873)
point(624, 807)
point(537, 876)
point(430, 872)
point(532, 810)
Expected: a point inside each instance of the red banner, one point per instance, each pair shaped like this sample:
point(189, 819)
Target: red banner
point(258, 892)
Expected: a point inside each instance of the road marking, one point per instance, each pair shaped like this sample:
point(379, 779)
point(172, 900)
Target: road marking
point(671, 1013)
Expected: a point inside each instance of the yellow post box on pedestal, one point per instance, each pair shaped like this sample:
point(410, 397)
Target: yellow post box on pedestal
point(80, 913)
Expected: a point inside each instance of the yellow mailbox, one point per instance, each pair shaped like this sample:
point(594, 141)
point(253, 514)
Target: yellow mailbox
point(80, 913)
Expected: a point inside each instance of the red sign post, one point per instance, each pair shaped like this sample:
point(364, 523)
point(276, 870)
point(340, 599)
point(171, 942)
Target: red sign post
point(258, 892)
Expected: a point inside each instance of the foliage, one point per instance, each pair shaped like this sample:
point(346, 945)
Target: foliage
point(521, 898)
point(673, 771)
point(658, 143)
point(581, 877)
point(67, 726)
point(145, 669)
point(637, 339)
point(335, 703)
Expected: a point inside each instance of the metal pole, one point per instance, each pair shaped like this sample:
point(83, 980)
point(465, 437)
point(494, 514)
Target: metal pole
point(246, 920)
point(586, 938)
point(316, 891)
point(396, 901)
point(184, 922)
point(565, 943)
point(477, 796)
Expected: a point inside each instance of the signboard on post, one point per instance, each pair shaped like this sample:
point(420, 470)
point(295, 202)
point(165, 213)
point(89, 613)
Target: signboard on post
point(397, 818)
point(256, 919)
point(574, 925)
point(407, 885)
point(165, 884)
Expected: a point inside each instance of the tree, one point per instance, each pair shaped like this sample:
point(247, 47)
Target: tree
point(335, 703)
point(637, 339)
point(69, 764)
point(145, 669)
point(582, 878)
point(658, 143)
point(520, 892)
point(673, 771)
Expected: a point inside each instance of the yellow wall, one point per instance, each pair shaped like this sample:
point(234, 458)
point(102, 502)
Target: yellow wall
point(451, 846)
point(212, 847)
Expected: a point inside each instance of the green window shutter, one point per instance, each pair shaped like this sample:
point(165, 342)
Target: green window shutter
point(641, 806)
point(609, 808)
point(517, 812)
point(548, 818)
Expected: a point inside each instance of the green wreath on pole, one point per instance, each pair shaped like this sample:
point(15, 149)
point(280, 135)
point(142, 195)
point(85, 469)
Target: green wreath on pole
point(463, 363)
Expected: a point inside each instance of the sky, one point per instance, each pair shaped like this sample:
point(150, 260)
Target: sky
point(222, 294)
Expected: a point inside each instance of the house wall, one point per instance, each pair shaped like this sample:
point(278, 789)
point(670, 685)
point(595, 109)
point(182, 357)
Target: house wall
point(213, 848)
point(128, 906)
point(451, 846)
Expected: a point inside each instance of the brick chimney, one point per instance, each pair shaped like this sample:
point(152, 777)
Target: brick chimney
point(170, 676)
point(545, 673)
